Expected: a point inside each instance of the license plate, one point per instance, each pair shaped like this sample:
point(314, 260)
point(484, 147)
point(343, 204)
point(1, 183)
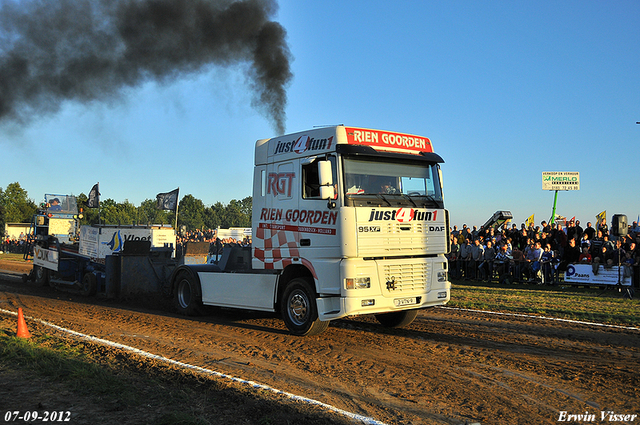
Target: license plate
point(405, 301)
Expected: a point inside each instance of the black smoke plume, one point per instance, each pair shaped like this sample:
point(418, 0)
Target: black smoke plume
point(87, 50)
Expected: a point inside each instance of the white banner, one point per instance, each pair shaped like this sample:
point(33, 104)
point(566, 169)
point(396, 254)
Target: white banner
point(46, 258)
point(563, 180)
point(582, 274)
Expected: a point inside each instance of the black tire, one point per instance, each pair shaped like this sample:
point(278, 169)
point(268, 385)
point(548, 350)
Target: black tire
point(89, 284)
point(299, 309)
point(41, 275)
point(397, 319)
point(187, 295)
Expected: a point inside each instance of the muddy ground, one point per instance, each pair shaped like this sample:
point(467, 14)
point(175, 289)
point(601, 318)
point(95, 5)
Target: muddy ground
point(448, 367)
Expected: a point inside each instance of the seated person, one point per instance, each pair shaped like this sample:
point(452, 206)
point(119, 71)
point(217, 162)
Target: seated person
point(55, 205)
point(585, 257)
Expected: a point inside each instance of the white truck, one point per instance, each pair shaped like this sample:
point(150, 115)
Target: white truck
point(345, 221)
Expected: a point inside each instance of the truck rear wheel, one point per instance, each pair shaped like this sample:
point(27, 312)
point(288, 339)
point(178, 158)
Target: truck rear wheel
point(299, 309)
point(187, 295)
point(89, 284)
point(41, 275)
point(397, 319)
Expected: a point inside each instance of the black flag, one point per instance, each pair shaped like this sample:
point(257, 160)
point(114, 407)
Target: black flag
point(93, 201)
point(168, 201)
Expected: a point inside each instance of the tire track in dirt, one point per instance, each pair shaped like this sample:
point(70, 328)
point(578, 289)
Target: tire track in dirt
point(447, 367)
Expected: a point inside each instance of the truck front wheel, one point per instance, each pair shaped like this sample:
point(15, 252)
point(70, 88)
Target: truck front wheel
point(187, 295)
point(397, 319)
point(299, 309)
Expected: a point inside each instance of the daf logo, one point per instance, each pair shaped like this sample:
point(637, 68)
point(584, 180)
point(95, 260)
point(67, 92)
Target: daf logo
point(391, 284)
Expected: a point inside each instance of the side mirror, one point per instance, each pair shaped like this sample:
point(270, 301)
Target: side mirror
point(327, 192)
point(325, 173)
point(325, 177)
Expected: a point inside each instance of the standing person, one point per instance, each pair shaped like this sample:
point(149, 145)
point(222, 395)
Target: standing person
point(477, 251)
point(561, 239)
point(579, 230)
point(547, 265)
point(503, 262)
point(619, 254)
point(571, 255)
point(488, 257)
point(523, 236)
point(533, 260)
point(453, 256)
point(571, 231)
point(596, 245)
point(518, 262)
point(464, 258)
point(590, 231)
point(603, 227)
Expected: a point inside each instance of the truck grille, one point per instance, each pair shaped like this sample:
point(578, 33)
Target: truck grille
point(406, 277)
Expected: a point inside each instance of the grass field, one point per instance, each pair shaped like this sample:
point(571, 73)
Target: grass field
point(565, 302)
point(11, 257)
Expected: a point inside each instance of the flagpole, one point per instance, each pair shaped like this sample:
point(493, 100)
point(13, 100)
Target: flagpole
point(99, 219)
point(553, 213)
point(175, 227)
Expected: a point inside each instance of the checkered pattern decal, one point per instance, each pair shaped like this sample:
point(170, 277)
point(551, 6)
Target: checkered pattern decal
point(280, 247)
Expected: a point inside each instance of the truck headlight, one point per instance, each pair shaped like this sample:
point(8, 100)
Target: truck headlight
point(442, 276)
point(357, 282)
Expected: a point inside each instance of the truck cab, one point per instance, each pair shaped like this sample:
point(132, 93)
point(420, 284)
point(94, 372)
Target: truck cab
point(345, 221)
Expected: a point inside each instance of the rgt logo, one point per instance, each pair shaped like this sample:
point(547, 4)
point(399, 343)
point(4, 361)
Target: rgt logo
point(403, 215)
point(280, 183)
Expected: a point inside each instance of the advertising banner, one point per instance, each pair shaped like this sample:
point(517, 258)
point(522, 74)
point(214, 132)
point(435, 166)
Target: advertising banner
point(582, 274)
point(46, 258)
point(563, 180)
point(98, 242)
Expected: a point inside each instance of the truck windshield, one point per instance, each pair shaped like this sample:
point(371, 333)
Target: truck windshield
point(394, 183)
point(62, 204)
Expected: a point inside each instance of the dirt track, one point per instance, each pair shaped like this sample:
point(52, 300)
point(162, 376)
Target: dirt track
point(448, 367)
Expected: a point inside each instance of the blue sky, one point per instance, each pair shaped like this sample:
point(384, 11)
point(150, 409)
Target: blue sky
point(505, 90)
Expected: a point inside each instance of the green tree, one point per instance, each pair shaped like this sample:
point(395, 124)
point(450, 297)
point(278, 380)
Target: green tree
point(16, 205)
point(213, 215)
point(127, 213)
point(234, 216)
point(191, 213)
point(148, 213)
point(89, 215)
point(109, 211)
point(246, 206)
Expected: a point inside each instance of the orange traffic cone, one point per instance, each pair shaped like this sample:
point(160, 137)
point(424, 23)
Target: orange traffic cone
point(23, 332)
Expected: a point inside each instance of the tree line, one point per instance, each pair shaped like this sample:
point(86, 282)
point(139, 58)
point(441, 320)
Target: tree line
point(17, 207)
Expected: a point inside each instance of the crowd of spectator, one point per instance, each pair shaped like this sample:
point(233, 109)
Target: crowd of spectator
point(540, 254)
point(207, 235)
point(11, 244)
